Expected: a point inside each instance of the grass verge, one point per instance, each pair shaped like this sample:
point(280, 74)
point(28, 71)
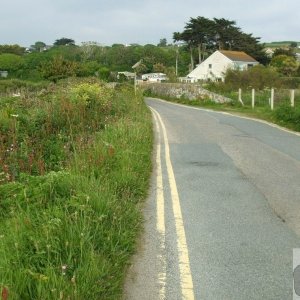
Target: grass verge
point(70, 217)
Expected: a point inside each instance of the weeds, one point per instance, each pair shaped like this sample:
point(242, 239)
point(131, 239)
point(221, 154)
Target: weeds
point(75, 164)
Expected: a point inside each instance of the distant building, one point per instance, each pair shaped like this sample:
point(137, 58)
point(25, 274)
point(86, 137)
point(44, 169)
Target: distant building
point(154, 77)
point(128, 75)
point(269, 52)
point(3, 74)
point(216, 65)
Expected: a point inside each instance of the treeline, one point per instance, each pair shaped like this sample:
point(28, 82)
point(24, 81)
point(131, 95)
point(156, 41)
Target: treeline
point(64, 60)
point(199, 38)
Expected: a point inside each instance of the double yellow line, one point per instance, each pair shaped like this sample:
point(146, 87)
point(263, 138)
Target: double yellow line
point(186, 281)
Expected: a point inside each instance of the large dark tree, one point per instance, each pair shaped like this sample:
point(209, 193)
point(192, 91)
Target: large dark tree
point(221, 34)
point(186, 36)
point(201, 32)
point(64, 41)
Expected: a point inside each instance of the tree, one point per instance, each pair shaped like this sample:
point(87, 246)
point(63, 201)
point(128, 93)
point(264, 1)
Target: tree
point(58, 68)
point(201, 31)
point(38, 46)
point(159, 68)
point(224, 31)
point(282, 51)
point(286, 65)
point(64, 42)
point(89, 50)
point(293, 44)
point(222, 34)
point(186, 36)
point(162, 43)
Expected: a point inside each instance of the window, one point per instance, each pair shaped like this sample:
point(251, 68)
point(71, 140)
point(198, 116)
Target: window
point(210, 66)
point(250, 66)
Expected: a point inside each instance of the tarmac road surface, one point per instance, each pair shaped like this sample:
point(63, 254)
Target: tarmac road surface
point(223, 214)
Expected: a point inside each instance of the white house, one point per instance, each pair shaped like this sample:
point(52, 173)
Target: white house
point(215, 66)
point(154, 77)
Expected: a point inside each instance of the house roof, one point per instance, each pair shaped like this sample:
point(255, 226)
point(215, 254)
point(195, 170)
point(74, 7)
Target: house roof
point(237, 56)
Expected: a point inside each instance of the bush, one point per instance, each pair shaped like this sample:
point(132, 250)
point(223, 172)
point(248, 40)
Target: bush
point(287, 115)
point(258, 77)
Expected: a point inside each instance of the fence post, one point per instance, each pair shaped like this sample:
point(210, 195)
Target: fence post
point(253, 98)
point(240, 96)
point(272, 99)
point(292, 98)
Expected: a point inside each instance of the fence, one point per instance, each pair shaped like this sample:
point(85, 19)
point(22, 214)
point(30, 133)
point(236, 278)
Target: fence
point(268, 97)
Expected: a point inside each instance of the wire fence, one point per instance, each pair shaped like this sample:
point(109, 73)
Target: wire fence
point(263, 98)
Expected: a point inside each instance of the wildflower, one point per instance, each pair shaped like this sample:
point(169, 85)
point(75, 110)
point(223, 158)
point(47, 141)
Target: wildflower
point(4, 293)
point(73, 279)
point(64, 269)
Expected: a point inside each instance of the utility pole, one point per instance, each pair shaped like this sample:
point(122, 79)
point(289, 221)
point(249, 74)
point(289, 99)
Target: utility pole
point(176, 66)
point(134, 68)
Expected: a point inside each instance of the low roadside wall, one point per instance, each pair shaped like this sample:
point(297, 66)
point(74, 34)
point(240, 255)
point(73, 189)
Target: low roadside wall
point(183, 90)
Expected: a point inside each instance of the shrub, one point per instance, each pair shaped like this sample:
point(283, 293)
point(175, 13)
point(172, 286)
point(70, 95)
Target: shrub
point(258, 77)
point(288, 115)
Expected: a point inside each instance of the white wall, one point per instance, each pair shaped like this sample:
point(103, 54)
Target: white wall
point(219, 64)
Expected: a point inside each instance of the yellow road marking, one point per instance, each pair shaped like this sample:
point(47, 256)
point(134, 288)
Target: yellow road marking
point(186, 283)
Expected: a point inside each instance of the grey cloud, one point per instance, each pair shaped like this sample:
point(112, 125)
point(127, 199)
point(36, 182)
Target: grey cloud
point(117, 21)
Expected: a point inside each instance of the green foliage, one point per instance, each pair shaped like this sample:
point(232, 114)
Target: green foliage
point(258, 77)
point(92, 57)
point(288, 115)
point(210, 35)
point(293, 44)
point(162, 43)
point(104, 73)
point(92, 95)
point(58, 68)
point(284, 64)
point(64, 42)
point(284, 51)
point(88, 68)
point(10, 86)
point(10, 62)
point(12, 49)
point(68, 233)
point(38, 46)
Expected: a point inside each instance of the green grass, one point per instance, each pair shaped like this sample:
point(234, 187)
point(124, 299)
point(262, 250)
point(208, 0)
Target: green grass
point(68, 225)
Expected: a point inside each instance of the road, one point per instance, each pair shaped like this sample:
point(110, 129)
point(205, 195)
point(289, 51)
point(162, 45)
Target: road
point(223, 214)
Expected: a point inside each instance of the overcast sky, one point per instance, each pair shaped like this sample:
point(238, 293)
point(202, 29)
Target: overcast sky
point(136, 21)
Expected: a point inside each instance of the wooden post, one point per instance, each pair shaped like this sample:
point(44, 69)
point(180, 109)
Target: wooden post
point(292, 98)
point(253, 98)
point(272, 99)
point(240, 96)
point(135, 83)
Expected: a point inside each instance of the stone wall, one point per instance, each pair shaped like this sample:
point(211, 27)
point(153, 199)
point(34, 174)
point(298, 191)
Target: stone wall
point(183, 90)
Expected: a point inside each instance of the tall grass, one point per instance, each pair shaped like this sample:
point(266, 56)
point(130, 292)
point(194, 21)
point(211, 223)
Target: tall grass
point(70, 215)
